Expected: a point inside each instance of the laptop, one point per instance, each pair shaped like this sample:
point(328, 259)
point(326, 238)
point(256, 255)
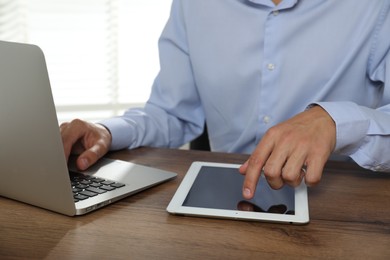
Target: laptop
point(33, 168)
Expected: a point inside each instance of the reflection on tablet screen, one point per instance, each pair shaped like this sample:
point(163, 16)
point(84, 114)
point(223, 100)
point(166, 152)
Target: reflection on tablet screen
point(221, 188)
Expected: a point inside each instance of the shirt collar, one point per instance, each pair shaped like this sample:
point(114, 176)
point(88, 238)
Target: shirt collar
point(283, 5)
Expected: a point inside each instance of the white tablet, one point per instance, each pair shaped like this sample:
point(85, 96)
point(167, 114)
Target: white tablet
point(215, 190)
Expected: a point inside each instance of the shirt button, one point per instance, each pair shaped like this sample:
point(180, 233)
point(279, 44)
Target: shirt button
point(275, 13)
point(266, 119)
point(271, 66)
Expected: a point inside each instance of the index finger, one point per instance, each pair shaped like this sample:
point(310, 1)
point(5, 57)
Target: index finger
point(252, 169)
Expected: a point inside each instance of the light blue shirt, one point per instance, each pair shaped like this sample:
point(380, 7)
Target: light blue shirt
point(245, 65)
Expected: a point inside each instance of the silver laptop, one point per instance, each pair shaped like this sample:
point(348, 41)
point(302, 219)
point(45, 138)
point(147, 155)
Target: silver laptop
point(33, 168)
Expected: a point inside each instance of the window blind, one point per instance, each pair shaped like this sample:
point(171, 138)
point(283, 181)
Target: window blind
point(101, 55)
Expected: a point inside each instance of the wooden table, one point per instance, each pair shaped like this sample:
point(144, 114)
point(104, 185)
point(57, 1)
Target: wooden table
point(349, 211)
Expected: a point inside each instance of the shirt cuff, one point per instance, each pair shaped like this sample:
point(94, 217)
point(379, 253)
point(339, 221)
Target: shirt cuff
point(351, 125)
point(122, 134)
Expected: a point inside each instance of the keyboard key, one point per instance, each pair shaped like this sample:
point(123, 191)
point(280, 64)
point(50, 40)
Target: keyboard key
point(107, 188)
point(96, 179)
point(95, 184)
point(85, 182)
point(80, 197)
point(117, 185)
point(106, 182)
point(88, 193)
point(96, 190)
point(81, 186)
point(76, 190)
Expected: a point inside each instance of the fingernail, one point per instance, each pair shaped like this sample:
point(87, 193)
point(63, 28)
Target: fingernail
point(84, 163)
point(247, 192)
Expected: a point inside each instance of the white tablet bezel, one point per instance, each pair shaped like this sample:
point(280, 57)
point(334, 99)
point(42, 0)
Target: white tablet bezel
point(176, 204)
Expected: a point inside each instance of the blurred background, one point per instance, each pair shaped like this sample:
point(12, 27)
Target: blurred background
point(102, 55)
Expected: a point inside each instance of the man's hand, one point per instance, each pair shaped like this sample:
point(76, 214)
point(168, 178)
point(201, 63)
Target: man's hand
point(90, 141)
point(295, 149)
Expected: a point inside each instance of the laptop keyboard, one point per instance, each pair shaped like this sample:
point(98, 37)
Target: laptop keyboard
point(85, 186)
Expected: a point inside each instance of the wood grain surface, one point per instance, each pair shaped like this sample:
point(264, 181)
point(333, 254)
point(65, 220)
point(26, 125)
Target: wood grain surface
point(349, 212)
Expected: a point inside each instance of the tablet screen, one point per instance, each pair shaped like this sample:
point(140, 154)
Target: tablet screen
point(221, 188)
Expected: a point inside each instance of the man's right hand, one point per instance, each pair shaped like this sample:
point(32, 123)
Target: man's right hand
point(90, 141)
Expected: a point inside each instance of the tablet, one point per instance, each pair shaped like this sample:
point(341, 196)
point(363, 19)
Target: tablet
point(215, 190)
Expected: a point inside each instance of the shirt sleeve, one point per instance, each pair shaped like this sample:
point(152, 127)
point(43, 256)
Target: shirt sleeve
point(364, 133)
point(361, 133)
point(173, 115)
